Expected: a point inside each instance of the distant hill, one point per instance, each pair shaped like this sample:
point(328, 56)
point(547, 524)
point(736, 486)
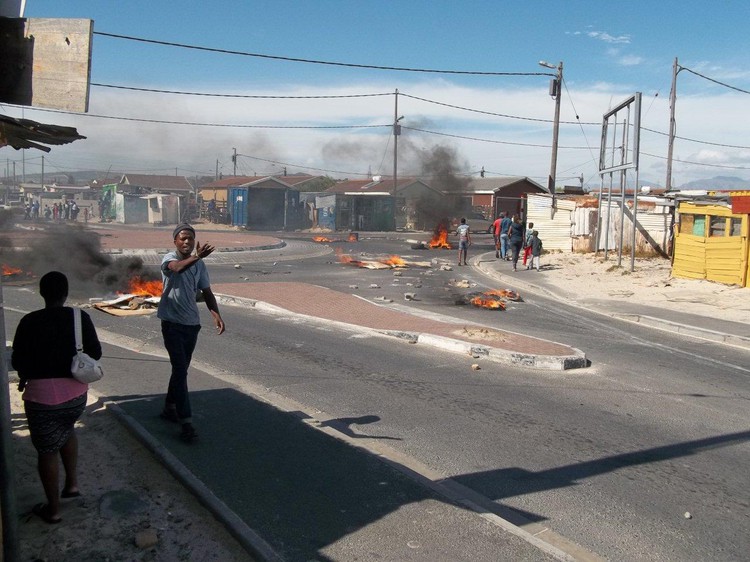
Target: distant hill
point(719, 182)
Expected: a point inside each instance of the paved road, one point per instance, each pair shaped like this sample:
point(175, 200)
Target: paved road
point(631, 451)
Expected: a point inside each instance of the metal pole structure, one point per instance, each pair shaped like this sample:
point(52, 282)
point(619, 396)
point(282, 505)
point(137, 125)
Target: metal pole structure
point(636, 161)
point(609, 195)
point(42, 173)
point(396, 133)
point(234, 160)
point(672, 124)
point(555, 134)
point(555, 91)
point(623, 185)
point(7, 481)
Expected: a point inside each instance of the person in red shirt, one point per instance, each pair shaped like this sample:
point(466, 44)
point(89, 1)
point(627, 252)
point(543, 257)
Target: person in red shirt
point(496, 233)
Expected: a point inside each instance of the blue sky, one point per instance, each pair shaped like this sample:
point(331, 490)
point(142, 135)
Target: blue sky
point(609, 52)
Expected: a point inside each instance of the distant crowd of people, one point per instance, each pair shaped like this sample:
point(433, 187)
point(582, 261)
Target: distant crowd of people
point(511, 236)
point(67, 210)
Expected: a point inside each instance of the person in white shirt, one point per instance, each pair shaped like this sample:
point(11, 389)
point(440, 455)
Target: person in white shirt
point(464, 241)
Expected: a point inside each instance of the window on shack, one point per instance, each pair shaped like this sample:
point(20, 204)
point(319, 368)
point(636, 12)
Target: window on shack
point(717, 226)
point(687, 223)
point(735, 226)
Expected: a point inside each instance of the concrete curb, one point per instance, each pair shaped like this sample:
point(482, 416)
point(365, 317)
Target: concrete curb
point(650, 321)
point(248, 538)
point(692, 331)
point(139, 251)
point(507, 357)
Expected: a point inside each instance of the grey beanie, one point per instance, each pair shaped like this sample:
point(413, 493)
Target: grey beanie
point(180, 228)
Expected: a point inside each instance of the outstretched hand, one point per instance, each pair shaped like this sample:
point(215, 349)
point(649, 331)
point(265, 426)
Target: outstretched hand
point(203, 251)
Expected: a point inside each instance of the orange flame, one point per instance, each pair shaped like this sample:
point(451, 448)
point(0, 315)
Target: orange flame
point(394, 261)
point(353, 237)
point(504, 293)
point(321, 239)
point(440, 237)
point(344, 258)
point(8, 270)
point(139, 286)
point(487, 301)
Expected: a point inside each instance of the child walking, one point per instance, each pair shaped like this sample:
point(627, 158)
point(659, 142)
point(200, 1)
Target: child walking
point(527, 244)
point(536, 249)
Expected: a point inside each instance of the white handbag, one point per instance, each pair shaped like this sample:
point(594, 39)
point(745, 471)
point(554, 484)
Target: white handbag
point(84, 368)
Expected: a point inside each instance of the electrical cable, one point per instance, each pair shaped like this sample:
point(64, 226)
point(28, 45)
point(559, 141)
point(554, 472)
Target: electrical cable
point(182, 93)
point(313, 61)
point(302, 167)
point(713, 80)
point(698, 163)
point(490, 140)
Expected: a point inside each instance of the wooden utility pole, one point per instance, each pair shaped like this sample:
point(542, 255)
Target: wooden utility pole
point(672, 124)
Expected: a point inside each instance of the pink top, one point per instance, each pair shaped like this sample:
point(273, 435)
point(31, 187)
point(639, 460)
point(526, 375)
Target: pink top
point(53, 391)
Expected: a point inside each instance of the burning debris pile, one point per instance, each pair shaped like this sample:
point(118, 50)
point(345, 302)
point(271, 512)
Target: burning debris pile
point(392, 262)
point(15, 275)
point(353, 237)
point(440, 237)
point(143, 298)
point(77, 253)
point(495, 299)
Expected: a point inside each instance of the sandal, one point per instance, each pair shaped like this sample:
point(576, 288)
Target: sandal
point(66, 495)
point(41, 511)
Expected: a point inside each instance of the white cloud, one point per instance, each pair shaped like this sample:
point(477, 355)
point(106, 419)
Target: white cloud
point(159, 148)
point(630, 60)
point(607, 38)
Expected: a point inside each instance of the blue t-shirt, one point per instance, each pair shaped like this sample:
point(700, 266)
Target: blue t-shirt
point(505, 225)
point(177, 302)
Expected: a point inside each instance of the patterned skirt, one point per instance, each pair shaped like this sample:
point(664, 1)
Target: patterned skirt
point(51, 425)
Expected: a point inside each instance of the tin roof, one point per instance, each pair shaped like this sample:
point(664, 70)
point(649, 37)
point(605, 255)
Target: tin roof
point(157, 182)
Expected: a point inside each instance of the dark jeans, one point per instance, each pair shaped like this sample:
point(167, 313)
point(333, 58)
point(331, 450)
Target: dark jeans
point(180, 340)
point(516, 247)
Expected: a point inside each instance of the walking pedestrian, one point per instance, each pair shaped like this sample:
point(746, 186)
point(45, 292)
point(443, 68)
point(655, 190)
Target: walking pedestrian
point(536, 249)
point(515, 238)
point(504, 245)
point(527, 243)
point(464, 241)
point(496, 231)
point(184, 273)
point(43, 350)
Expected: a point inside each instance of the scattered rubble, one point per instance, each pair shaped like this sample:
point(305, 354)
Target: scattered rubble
point(128, 305)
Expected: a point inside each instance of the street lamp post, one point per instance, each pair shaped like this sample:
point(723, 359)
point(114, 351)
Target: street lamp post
point(555, 91)
point(396, 133)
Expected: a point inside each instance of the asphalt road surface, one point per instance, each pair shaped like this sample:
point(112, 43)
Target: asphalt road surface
point(611, 457)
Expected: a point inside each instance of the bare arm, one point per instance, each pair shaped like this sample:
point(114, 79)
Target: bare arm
point(213, 307)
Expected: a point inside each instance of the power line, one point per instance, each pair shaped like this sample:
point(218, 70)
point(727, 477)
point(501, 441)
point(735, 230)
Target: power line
point(714, 81)
point(698, 163)
point(697, 141)
point(196, 124)
point(313, 61)
point(488, 112)
point(301, 166)
point(491, 140)
point(182, 93)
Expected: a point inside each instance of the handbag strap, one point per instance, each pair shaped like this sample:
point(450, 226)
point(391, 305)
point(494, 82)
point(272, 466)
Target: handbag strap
point(77, 328)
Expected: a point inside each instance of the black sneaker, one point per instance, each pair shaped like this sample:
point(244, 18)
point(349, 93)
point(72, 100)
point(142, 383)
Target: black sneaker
point(188, 433)
point(169, 415)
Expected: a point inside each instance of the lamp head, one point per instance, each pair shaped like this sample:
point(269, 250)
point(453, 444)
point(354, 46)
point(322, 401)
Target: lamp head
point(546, 64)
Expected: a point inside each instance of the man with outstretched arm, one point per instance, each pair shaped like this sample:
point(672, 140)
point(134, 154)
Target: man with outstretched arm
point(184, 274)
